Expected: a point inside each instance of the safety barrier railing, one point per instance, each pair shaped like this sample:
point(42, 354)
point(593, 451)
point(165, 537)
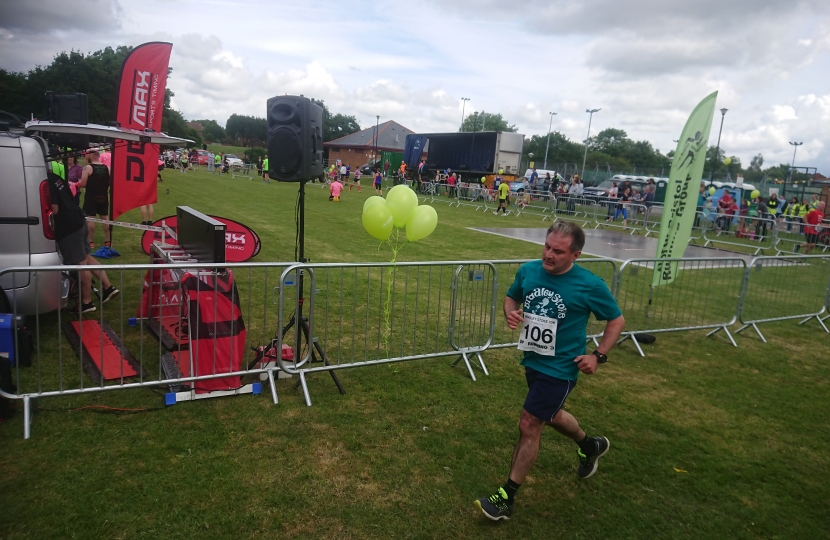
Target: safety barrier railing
point(163, 328)
point(753, 233)
point(606, 269)
point(704, 295)
point(535, 203)
point(352, 315)
point(432, 192)
point(474, 195)
point(628, 212)
point(790, 237)
point(779, 289)
point(575, 208)
point(366, 314)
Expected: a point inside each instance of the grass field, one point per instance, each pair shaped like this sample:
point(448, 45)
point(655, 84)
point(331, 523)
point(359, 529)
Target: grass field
point(707, 440)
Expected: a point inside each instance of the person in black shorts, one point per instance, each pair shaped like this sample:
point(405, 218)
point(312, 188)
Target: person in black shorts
point(72, 237)
point(95, 179)
point(550, 302)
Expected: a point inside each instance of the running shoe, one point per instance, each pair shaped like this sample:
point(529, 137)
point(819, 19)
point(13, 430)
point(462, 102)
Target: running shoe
point(495, 506)
point(588, 463)
point(88, 307)
point(109, 293)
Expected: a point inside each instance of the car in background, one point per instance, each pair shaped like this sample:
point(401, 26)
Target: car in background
point(201, 157)
point(369, 168)
point(595, 193)
point(517, 187)
point(233, 161)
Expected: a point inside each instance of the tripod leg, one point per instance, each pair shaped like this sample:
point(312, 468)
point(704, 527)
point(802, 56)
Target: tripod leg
point(316, 347)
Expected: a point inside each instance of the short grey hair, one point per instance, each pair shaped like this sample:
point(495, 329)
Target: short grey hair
point(572, 230)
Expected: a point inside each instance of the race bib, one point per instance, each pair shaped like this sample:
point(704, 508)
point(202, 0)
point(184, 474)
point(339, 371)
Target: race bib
point(538, 334)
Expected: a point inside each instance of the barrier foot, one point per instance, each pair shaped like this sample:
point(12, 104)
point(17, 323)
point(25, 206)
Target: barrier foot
point(305, 389)
point(820, 321)
point(596, 343)
point(273, 386)
point(634, 339)
point(726, 330)
point(637, 343)
point(469, 367)
point(27, 418)
point(744, 327)
point(481, 364)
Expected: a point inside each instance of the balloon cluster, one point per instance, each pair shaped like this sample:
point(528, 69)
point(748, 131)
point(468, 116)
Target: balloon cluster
point(399, 209)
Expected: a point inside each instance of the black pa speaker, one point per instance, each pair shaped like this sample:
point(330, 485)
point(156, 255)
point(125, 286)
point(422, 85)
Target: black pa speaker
point(295, 139)
point(67, 108)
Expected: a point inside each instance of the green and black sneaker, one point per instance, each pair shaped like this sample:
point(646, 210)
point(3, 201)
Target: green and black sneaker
point(588, 463)
point(495, 506)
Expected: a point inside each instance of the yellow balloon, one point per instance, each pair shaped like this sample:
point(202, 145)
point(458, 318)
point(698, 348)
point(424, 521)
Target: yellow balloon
point(755, 194)
point(372, 200)
point(401, 201)
point(377, 220)
point(727, 161)
point(712, 191)
point(421, 224)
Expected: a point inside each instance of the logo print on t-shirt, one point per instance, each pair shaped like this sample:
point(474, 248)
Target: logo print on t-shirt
point(544, 302)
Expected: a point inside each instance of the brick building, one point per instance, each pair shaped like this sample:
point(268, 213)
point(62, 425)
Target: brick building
point(358, 148)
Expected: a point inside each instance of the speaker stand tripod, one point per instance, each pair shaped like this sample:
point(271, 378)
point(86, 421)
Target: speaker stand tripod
point(299, 319)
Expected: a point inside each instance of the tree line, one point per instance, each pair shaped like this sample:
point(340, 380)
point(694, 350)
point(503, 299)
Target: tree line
point(97, 75)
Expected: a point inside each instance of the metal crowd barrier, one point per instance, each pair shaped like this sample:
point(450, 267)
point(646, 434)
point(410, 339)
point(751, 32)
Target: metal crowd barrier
point(535, 203)
point(378, 313)
point(783, 288)
point(474, 195)
point(632, 223)
point(757, 233)
point(704, 295)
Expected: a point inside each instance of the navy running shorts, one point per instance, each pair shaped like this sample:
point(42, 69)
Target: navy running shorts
point(546, 394)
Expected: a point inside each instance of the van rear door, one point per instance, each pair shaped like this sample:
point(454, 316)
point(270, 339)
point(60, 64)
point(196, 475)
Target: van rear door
point(14, 214)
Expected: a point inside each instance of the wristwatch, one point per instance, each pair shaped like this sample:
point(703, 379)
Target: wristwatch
point(601, 358)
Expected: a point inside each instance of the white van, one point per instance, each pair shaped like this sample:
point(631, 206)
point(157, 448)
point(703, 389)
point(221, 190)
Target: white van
point(26, 235)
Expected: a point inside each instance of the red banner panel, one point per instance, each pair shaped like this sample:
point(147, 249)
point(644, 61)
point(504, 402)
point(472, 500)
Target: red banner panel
point(140, 105)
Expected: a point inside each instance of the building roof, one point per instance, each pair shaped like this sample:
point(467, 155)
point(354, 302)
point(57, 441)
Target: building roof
point(392, 136)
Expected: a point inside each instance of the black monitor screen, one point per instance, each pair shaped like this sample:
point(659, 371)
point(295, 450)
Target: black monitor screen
point(201, 236)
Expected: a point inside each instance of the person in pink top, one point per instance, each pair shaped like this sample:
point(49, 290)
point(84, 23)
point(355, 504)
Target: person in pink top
point(336, 187)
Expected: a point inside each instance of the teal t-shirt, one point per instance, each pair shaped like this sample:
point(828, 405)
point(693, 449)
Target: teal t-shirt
point(570, 298)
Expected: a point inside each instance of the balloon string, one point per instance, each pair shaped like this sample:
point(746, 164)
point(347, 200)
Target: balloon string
point(390, 272)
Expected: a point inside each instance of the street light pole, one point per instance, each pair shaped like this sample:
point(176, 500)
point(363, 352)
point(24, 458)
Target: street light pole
point(585, 157)
point(795, 148)
point(547, 145)
point(717, 148)
point(464, 101)
point(483, 120)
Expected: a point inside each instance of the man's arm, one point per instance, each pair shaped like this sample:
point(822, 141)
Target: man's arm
point(85, 175)
point(513, 313)
point(587, 363)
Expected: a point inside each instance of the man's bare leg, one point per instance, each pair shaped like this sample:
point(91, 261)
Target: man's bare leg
point(565, 423)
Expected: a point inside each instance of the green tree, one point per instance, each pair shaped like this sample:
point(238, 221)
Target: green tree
point(248, 131)
point(756, 163)
point(483, 121)
point(212, 131)
point(611, 141)
point(337, 125)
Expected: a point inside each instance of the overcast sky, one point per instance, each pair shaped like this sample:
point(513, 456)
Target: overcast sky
point(645, 63)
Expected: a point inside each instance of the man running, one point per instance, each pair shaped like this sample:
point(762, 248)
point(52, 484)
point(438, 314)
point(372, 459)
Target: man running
point(813, 220)
point(550, 302)
point(504, 192)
